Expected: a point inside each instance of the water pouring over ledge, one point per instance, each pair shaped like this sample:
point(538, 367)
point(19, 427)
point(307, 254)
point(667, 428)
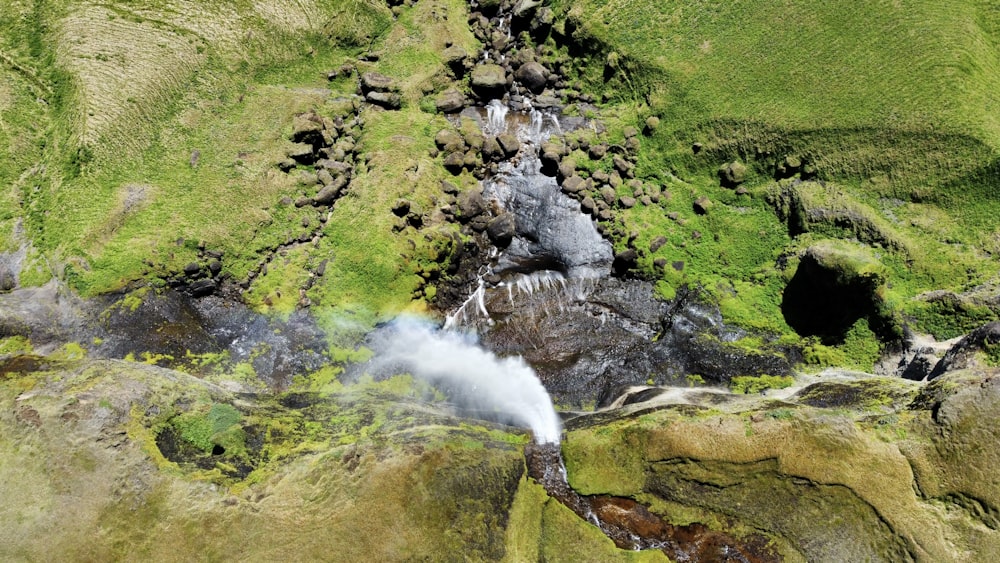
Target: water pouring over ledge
point(505, 390)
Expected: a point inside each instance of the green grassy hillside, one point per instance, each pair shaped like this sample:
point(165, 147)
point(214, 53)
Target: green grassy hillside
point(133, 135)
point(894, 102)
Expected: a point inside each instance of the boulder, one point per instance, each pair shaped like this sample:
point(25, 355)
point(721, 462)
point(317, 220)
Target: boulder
point(533, 76)
point(454, 162)
point(307, 128)
point(401, 207)
point(835, 284)
point(621, 165)
point(573, 184)
point(330, 192)
point(449, 140)
point(608, 195)
point(550, 162)
point(492, 151)
point(455, 57)
point(657, 243)
point(388, 100)
point(489, 80)
point(509, 144)
point(501, 229)
point(524, 8)
point(626, 202)
point(471, 204)
point(474, 139)
point(375, 82)
point(202, 287)
point(597, 151)
point(652, 123)
point(449, 101)
point(624, 261)
point(702, 205)
point(567, 168)
point(301, 153)
point(732, 174)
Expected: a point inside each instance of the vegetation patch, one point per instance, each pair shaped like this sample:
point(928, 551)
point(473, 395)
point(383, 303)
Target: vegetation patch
point(751, 385)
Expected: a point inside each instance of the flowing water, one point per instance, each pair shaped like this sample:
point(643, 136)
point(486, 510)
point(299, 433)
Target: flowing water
point(556, 273)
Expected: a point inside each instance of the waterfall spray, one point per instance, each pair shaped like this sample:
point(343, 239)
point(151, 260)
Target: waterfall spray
point(505, 389)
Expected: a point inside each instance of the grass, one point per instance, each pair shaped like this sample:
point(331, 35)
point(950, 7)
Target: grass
point(103, 106)
point(894, 109)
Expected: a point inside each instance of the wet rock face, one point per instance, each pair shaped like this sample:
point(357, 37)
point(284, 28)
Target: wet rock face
point(590, 339)
point(552, 232)
point(985, 339)
point(169, 324)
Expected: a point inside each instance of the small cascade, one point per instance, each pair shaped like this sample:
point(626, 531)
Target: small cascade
point(536, 128)
point(471, 310)
point(496, 117)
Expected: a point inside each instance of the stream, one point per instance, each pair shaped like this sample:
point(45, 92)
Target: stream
point(544, 297)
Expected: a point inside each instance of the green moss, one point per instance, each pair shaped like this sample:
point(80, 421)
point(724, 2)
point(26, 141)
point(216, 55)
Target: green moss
point(15, 345)
point(751, 385)
point(583, 450)
point(69, 351)
point(206, 427)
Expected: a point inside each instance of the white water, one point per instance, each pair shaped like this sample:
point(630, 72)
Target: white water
point(496, 117)
point(505, 388)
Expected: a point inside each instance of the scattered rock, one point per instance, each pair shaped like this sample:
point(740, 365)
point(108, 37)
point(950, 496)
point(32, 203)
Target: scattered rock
point(401, 207)
point(501, 229)
point(454, 162)
point(573, 184)
point(657, 243)
point(488, 80)
point(449, 101)
point(375, 82)
point(533, 76)
point(509, 144)
point(702, 205)
point(732, 174)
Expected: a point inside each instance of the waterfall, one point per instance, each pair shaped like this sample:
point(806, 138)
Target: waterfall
point(477, 300)
point(502, 389)
point(496, 117)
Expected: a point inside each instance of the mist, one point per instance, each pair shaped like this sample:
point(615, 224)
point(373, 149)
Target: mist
point(502, 389)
